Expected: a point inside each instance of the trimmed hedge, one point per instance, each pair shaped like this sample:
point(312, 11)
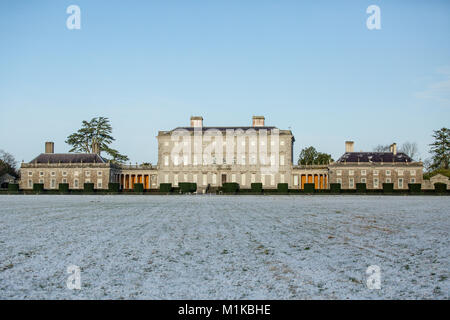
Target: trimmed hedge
point(187, 187)
point(388, 187)
point(138, 187)
point(308, 187)
point(38, 187)
point(165, 187)
point(13, 187)
point(63, 187)
point(335, 187)
point(440, 187)
point(88, 187)
point(113, 187)
point(230, 187)
point(256, 187)
point(414, 187)
point(361, 188)
point(283, 188)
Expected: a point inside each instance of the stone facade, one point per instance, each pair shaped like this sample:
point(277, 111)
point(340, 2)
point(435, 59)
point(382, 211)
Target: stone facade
point(245, 155)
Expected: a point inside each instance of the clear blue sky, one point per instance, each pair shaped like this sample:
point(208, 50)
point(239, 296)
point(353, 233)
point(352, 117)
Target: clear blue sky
point(311, 66)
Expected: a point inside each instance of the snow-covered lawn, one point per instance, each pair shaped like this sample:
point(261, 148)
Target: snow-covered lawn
point(224, 247)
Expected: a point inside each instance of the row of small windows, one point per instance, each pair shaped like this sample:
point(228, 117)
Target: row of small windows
point(252, 143)
point(76, 183)
point(376, 172)
point(64, 173)
point(268, 179)
point(185, 160)
point(376, 182)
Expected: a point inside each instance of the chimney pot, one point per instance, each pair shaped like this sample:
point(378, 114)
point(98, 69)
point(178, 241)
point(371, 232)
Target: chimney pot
point(349, 146)
point(49, 147)
point(196, 122)
point(258, 121)
point(394, 148)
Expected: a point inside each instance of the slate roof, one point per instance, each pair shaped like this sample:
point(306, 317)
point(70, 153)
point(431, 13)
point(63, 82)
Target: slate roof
point(224, 128)
point(68, 158)
point(374, 157)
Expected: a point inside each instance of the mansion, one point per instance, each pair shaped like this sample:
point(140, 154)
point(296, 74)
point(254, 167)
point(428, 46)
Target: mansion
point(211, 156)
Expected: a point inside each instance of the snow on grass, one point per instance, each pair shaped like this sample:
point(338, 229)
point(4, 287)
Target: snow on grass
point(220, 247)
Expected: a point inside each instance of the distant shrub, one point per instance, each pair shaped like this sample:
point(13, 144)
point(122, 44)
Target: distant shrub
point(414, 187)
point(38, 187)
point(308, 187)
point(230, 187)
point(440, 187)
point(187, 187)
point(138, 187)
point(361, 188)
point(113, 187)
point(13, 187)
point(335, 187)
point(256, 187)
point(388, 187)
point(283, 188)
point(88, 187)
point(165, 187)
point(63, 187)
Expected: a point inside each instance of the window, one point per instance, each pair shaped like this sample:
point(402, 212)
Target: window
point(87, 181)
point(30, 173)
point(282, 143)
point(41, 173)
point(400, 183)
point(214, 178)
point(388, 180)
point(413, 180)
point(339, 180)
point(185, 177)
point(88, 173)
point(282, 160)
point(99, 173)
point(233, 177)
point(400, 172)
point(363, 172)
point(64, 180)
point(253, 178)
point(363, 180)
point(375, 183)
point(351, 183)
point(339, 172)
point(194, 178)
point(281, 178)
point(99, 183)
point(30, 183)
point(388, 172)
point(53, 184)
point(205, 179)
point(243, 179)
point(41, 180)
point(295, 180)
point(195, 160)
point(185, 160)
point(76, 173)
point(53, 173)
point(166, 178)
point(64, 173)
point(375, 172)
point(351, 172)
point(175, 160)
point(243, 160)
point(253, 159)
point(412, 172)
point(75, 183)
point(166, 160)
point(272, 179)
point(175, 180)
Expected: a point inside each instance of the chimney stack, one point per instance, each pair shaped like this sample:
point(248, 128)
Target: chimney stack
point(49, 147)
point(349, 146)
point(393, 148)
point(196, 122)
point(258, 121)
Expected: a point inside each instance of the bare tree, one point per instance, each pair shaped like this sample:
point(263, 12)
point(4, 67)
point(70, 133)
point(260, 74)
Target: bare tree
point(381, 148)
point(410, 149)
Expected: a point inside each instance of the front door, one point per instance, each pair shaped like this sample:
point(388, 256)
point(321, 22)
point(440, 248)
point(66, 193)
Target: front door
point(224, 178)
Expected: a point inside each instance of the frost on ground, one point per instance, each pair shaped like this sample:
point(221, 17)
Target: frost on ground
point(220, 247)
